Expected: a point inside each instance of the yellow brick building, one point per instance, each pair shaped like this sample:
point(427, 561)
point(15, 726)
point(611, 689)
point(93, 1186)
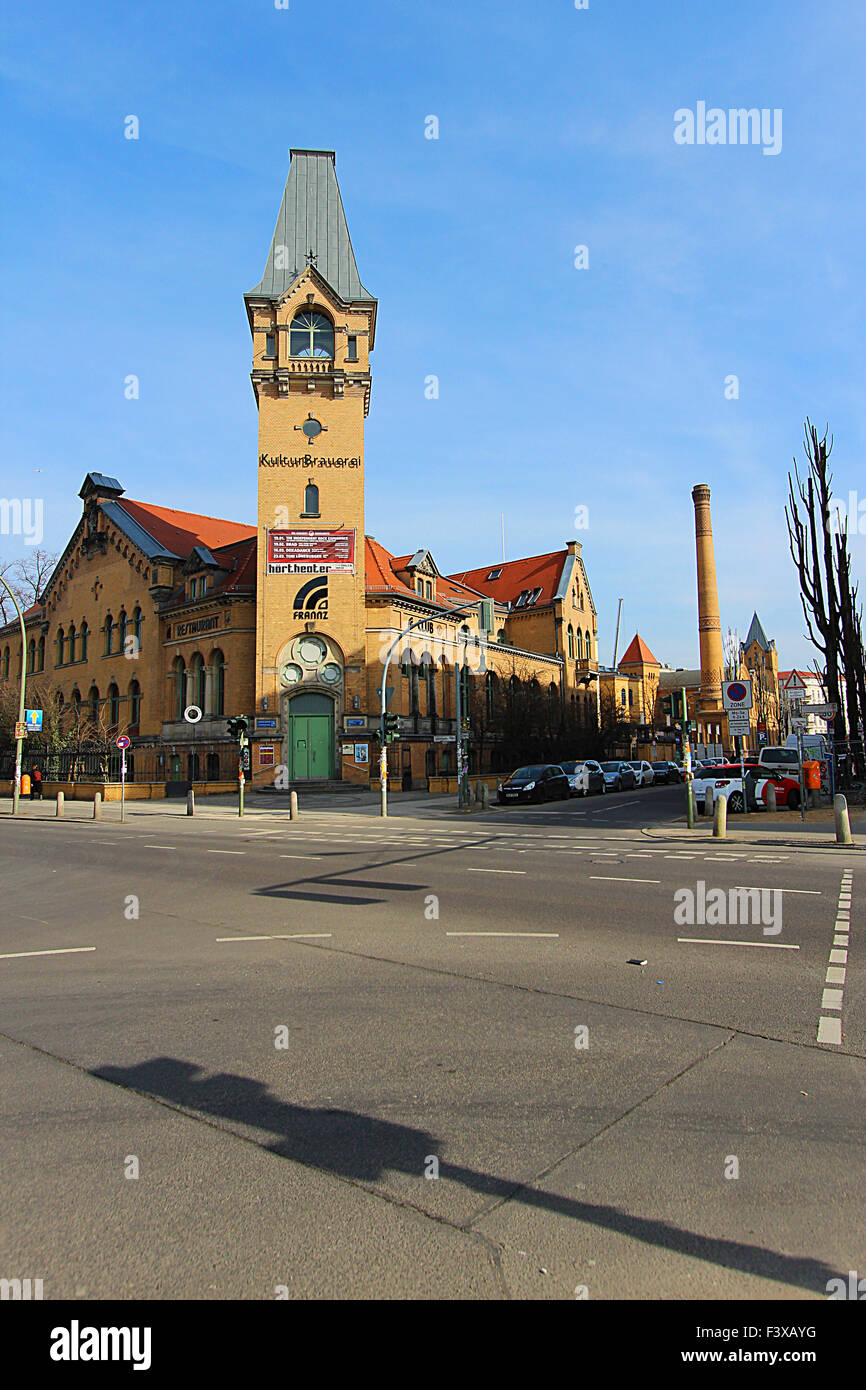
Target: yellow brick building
point(151, 612)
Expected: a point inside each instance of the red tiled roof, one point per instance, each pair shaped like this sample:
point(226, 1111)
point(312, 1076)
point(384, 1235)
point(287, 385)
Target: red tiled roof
point(381, 577)
point(180, 531)
point(638, 651)
point(534, 572)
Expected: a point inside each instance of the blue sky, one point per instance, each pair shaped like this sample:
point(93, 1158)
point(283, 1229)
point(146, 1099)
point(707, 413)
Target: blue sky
point(559, 388)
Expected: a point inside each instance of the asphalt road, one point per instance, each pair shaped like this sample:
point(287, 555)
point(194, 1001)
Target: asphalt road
point(350, 1058)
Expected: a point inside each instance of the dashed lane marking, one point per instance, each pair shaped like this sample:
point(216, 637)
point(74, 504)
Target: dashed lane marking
point(60, 951)
point(712, 941)
point(225, 851)
point(545, 934)
point(296, 936)
point(496, 871)
point(613, 878)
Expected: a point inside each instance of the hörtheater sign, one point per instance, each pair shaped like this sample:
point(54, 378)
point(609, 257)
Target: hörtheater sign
point(311, 552)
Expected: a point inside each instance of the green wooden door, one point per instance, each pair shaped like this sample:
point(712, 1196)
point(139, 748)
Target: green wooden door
point(311, 738)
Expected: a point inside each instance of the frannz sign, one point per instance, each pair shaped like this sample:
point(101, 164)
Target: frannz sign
point(311, 600)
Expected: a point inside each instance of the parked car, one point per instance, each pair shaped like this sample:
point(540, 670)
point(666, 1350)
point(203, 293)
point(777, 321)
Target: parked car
point(665, 771)
point(676, 772)
point(724, 780)
point(619, 776)
point(643, 773)
point(584, 777)
point(774, 758)
point(541, 782)
point(787, 789)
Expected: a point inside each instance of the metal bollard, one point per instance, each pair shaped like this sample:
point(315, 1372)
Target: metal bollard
point(97, 805)
point(771, 797)
point(190, 802)
point(59, 811)
point(293, 805)
point(485, 797)
point(720, 818)
point(843, 824)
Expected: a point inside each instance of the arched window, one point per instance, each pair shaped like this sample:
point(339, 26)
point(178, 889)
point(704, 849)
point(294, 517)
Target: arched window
point(570, 639)
point(83, 636)
point(490, 694)
point(108, 629)
point(218, 690)
point(213, 767)
point(192, 767)
point(631, 699)
point(446, 689)
point(136, 626)
point(311, 335)
point(622, 698)
point(197, 683)
point(552, 692)
point(6, 664)
point(179, 678)
point(465, 691)
point(61, 645)
point(134, 707)
point(71, 641)
point(579, 645)
point(76, 704)
point(42, 652)
point(311, 500)
point(122, 625)
point(31, 655)
point(113, 706)
point(93, 701)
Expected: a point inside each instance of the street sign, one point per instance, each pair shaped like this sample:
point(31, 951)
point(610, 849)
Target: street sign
point(20, 729)
point(192, 714)
point(795, 686)
point(33, 721)
point(122, 741)
point(822, 711)
point(444, 738)
point(799, 725)
point(738, 722)
point(737, 695)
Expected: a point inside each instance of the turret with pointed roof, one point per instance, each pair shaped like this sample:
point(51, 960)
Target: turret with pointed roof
point(312, 230)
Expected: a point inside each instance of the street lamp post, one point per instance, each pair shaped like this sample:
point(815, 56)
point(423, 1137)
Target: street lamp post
point(19, 742)
point(383, 755)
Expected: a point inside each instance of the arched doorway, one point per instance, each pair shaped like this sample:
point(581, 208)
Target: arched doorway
point(310, 737)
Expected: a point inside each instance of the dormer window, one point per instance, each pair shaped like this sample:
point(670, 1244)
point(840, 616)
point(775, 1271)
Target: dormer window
point(494, 574)
point(311, 335)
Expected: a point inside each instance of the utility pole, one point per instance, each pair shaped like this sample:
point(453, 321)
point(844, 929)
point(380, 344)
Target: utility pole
point(687, 759)
point(19, 741)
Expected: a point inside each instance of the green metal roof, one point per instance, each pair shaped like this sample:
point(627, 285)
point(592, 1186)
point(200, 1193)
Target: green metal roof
point(756, 634)
point(311, 219)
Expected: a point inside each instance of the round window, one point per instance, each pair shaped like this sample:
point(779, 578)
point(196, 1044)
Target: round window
point(291, 674)
point(312, 650)
point(331, 673)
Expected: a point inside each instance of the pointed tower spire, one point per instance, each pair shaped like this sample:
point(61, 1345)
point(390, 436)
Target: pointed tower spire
point(312, 231)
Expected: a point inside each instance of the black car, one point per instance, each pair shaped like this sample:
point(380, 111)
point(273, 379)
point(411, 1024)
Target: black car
point(541, 782)
point(666, 771)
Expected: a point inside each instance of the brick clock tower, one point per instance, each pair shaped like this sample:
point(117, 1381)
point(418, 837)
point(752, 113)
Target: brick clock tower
point(313, 325)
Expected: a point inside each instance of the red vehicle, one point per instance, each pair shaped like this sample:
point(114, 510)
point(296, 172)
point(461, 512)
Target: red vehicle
point(787, 791)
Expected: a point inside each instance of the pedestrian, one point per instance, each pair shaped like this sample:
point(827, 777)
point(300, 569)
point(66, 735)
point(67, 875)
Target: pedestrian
point(35, 784)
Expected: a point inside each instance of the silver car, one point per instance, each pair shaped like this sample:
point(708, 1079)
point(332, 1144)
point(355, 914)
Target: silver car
point(643, 772)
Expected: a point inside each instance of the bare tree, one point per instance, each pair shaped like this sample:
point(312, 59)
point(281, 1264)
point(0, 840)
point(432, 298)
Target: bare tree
point(26, 578)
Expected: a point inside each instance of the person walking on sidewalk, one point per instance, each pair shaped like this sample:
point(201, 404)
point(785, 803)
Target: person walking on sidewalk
point(35, 784)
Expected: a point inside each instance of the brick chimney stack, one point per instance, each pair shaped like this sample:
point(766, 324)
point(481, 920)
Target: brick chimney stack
point(709, 625)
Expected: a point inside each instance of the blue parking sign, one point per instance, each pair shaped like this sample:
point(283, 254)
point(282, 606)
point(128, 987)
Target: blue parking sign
point(33, 721)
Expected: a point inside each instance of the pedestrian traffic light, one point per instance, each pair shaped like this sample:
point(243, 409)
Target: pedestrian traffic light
point(238, 727)
point(392, 727)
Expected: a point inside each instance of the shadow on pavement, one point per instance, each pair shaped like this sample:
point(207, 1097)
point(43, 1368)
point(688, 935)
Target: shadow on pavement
point(361, 1148)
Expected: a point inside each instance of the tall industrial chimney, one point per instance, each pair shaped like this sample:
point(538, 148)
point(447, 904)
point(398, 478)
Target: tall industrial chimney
point(709, 626)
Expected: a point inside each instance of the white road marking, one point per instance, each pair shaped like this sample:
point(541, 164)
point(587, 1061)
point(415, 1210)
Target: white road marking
point(835, 975)
point(297, 936)
point(496, 871)
point(503, 933)
point(809, 892)
point(613, 878)
point(830, 1030)
point(301, 856)
point(60, 951)
point(172, 847)
point(225, 851)
point(831, 999)
point(705, 941)
point(838, 957)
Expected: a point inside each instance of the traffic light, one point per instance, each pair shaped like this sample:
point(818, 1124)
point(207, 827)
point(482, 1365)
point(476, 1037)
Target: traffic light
point(238, 727)
point(392, 727)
